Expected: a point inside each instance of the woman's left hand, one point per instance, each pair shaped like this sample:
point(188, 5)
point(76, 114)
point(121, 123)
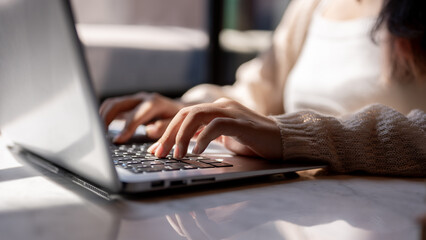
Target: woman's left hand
point(240, 129)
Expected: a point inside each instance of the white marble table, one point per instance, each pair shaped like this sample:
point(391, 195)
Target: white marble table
point(36, 205)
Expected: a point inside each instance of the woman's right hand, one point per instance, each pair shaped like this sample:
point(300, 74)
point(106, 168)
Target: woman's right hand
point(151, 109)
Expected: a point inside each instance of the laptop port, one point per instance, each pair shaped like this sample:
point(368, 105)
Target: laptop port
point(202, 180)
point(157, 184)
point(177, 183)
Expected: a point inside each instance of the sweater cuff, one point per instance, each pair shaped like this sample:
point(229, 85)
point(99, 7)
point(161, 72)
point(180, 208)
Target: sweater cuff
point(303, 135)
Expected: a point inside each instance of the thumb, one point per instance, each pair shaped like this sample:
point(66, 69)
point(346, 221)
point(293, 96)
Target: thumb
point(124, 136)
point(128, 130)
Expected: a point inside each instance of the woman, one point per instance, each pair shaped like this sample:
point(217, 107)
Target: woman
point(322, 66)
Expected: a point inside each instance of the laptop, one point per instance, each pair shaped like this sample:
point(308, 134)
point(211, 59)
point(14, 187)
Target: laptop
point(48, 108)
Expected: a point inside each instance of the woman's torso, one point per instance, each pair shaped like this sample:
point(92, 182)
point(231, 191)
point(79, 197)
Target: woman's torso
point(339, 71)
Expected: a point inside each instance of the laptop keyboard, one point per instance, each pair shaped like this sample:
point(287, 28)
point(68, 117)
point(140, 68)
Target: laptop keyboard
point(136, 159)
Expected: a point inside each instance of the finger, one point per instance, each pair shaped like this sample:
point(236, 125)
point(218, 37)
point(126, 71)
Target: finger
point(184, 126)
point(215, 129)
point(153, 148)
point(107, 105)
point(128, 130)
point(194, 121)
point(219, 139)
point(104, 105)
point(166, 141)
point(114, 107)
point(223, 100)
point(198, 131)
point(141, 115)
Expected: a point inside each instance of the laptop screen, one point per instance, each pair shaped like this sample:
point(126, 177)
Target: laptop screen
point(47, 104)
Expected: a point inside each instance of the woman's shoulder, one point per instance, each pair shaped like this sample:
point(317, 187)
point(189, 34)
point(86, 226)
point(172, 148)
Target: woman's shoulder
point(301, 8)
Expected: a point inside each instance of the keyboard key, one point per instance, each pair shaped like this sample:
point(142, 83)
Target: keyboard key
point(171, 167)
point(198, 164)
point(157, 162)
point(171, 161)
point(135, 158)
point(221, 164)
point(198, 158)
point(154, 168)
point(125, 166)
point(146, 169)
point(186, 167)
point(209, 161)
point(138, 165)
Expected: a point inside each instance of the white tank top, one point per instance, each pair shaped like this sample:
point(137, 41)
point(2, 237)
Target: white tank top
point(339, 70)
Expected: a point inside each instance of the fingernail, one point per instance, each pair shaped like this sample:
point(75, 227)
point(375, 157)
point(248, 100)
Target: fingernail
point(153, 147)
point(178, 151)
point(122, 137)
point(196, 149)
point(117, 139)
point(159, 151)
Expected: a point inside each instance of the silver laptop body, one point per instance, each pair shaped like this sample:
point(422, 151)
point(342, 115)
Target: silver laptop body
point(48, 106)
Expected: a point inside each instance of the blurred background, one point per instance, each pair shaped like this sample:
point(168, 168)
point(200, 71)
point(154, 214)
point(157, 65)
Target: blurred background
point(168, 46)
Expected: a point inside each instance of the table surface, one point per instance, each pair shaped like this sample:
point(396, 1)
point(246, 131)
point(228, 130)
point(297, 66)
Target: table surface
point(35, 204)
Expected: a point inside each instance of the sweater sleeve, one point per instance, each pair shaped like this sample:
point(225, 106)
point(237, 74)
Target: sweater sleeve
point(377, 140)
point(260, 82)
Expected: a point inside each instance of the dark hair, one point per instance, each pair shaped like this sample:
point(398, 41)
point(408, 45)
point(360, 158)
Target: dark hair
point(405, 19)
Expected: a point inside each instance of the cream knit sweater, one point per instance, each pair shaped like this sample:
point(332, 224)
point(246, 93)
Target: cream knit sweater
point(377, 139)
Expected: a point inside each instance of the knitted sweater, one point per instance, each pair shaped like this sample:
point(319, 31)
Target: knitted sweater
point(377, 140)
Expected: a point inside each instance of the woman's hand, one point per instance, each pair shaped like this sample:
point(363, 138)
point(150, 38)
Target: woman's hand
point(240, 129)
point(150, 109)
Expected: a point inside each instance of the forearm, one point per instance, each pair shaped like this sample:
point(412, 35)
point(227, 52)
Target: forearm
point(377, 140)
